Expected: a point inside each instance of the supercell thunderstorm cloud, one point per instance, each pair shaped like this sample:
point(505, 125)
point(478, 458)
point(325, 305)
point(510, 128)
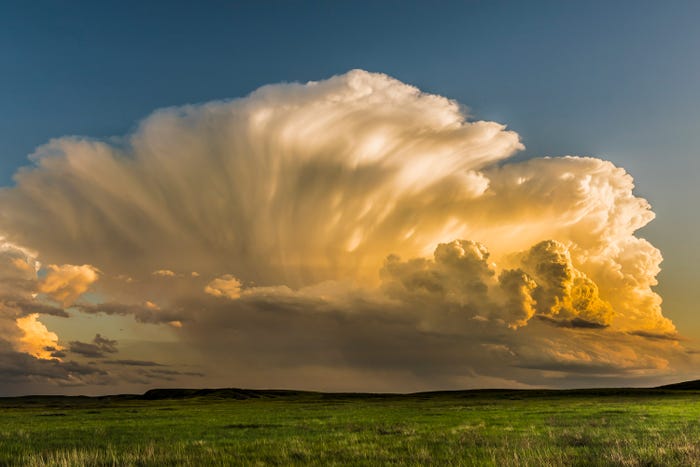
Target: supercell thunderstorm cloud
point(347, 234)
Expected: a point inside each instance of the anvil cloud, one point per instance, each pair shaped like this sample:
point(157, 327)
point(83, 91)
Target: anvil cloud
point(352, 233)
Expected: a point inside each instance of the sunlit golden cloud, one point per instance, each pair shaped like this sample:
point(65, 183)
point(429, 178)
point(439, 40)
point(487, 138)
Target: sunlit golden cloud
point(36, 339)
point(224, 286)
point(334, 224)
point(67, 282)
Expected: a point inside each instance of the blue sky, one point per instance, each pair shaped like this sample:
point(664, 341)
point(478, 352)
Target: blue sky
point(616, 80)
point(579, 77)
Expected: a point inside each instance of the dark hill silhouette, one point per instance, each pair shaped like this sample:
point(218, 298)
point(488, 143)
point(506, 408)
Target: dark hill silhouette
point(684, 386)
point(244, 394)
point(222, 393)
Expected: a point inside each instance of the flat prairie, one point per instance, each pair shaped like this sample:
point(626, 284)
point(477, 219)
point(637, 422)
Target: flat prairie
point(626, 427)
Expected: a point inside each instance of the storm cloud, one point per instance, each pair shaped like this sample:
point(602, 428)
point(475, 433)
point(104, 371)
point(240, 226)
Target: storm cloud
point(346, 230)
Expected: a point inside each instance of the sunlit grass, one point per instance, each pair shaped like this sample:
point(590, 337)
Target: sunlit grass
point(441, 429)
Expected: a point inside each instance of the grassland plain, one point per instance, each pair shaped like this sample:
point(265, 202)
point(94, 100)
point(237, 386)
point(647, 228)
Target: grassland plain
point(239, 427)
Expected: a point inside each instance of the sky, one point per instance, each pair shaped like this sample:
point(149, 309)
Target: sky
point(393, 196)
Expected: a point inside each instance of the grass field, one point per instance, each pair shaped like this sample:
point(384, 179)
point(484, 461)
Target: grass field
point(607, 427)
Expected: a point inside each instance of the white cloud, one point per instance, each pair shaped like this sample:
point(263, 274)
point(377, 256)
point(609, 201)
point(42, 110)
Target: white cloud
point(302, 191)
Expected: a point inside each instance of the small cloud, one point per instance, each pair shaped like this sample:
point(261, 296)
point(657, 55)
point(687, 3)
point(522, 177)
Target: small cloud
point(134, 363)
point(85, 349)
point(167, 374)
point(97, 349)
point(67, 282)
point(25, 306)
point(142, 313)
point(163, 273)
point(224, 286)
point(36, 338)
point(657, 335)
point(107, 345)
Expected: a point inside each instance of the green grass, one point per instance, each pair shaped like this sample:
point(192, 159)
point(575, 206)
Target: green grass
point(465, 428)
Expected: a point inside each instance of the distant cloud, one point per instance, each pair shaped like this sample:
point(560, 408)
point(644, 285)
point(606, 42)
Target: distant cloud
point(96, 349)
point(164, 273)
point(19, 369)
point(67, 282)
point(342, 230)
point(36, 337)
point(142, 313)
point(224, 286)
point(133, 362)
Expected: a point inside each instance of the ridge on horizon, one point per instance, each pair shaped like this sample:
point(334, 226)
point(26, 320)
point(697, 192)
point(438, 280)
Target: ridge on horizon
point(244, 393)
